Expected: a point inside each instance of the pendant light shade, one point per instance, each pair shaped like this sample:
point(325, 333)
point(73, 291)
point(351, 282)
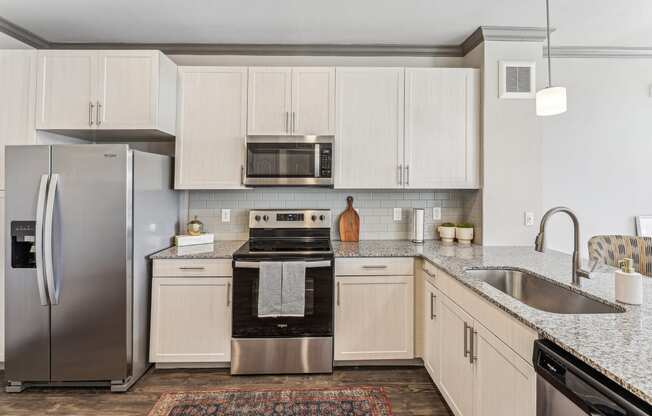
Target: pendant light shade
point(551, 100)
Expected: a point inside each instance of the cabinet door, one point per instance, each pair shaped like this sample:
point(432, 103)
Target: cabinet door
point(17, 101)
point(442, 143)
point(127, 90)
point(369, 129)
point(270, 96)
point(66, 90)
point(504, 384)
point(432, 338)
point(374, 318)
point(456, 382)
point(211, 127)
point(191, 320)
point(313, 101)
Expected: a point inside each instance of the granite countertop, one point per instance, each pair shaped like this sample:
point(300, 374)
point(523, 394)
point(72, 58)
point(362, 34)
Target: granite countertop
point(619, 345)
point(217, 250)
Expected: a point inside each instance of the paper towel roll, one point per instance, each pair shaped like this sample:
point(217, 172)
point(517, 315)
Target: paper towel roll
point(417, 225)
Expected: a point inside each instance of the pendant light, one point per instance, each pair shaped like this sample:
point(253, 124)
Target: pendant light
point(551, 100)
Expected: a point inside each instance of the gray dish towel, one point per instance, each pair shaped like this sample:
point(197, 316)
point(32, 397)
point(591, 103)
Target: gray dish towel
point(294, 289)
point(270, 289)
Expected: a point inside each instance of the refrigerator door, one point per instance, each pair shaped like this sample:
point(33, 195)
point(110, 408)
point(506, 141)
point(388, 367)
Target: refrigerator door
point(91, 262)
point(27, 325)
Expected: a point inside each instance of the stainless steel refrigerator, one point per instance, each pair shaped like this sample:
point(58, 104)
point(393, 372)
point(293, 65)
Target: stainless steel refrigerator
point(80, 223)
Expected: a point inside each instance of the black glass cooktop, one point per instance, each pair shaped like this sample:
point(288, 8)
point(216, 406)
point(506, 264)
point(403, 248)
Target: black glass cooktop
point(272, 248)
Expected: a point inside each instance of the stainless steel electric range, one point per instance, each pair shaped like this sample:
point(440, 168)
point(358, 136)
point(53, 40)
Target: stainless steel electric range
point(284, 345)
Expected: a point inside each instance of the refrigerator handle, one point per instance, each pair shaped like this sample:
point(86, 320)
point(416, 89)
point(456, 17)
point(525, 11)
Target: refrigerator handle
point(40, 206)
point(53, 291)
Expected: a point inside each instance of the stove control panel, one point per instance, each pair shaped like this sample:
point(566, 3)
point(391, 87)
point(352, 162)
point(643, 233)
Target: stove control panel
point(271, 218)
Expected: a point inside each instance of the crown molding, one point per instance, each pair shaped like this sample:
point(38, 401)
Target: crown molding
point(276, 49)
point(599, 52)
point(23, 35)
point(503, 33)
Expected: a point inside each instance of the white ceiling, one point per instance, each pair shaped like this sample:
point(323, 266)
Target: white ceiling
point(433, 22)
point(7, 42)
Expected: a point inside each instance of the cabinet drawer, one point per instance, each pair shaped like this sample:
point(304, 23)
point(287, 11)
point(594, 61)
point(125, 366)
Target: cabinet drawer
point(430, 272)
point(374, 266)
point(192, 267)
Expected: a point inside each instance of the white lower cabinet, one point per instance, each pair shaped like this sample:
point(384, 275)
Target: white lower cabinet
point(456, 380)
point(374, 318)
point(432, 331)
point(191, 320)
point(478, 373)
point(504, 384)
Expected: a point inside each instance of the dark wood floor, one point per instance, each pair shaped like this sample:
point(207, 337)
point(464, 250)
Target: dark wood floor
point(410, 390)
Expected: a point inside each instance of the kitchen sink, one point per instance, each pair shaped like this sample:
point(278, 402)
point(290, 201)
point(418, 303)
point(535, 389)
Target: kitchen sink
point(541, 294)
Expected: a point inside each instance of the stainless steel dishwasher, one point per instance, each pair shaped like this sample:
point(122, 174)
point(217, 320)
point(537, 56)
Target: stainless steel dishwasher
point(568, 387)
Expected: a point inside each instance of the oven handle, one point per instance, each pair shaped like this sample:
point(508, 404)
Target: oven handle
point(256, 264)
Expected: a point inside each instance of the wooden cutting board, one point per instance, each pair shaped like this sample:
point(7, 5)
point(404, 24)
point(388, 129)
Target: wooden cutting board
point(349, 222)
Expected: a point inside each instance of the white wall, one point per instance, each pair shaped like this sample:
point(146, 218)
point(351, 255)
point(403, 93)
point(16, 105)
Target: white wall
point(512, 182)
point(597, 157)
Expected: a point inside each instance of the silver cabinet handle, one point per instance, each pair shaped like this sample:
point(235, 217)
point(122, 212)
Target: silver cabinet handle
point(40, 206)
point(242, 174)
point(99, 114)
point(287, 122)
point(472, 356)
point(433, 314)
point(294, 117)
point(90, 113)
point(228, 294)
point(434, 276)
point(466, 339)
point(338, 293)
point(379, 266)
point(400, 174)
point(192, 268)
point(407, 174)
point(53, 290)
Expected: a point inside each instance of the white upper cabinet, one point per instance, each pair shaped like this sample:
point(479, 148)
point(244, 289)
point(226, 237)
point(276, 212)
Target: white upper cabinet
point(270, 100)
point(67, 82)
point(313, 101)
point(211, 131)
point(286, 101)
point(106, 90)
point(369, 133)
point(442, 128)
point(17, 101)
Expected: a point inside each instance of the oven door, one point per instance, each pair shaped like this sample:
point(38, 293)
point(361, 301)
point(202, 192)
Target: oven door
point(318, 318)
point(285, 161)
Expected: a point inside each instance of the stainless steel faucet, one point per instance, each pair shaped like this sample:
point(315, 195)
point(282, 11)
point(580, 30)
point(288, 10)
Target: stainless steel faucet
point(539, 244)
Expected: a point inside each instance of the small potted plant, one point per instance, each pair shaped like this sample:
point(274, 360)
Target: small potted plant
point(464, 233)
point(447, 232)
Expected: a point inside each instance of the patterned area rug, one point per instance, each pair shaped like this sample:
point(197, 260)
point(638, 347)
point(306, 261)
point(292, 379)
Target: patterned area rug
point(352, 401)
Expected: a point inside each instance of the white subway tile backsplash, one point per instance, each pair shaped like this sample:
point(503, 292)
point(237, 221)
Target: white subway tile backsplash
point(375, 208)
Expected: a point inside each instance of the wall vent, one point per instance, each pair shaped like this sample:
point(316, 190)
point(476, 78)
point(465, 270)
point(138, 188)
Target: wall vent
point(517, 80)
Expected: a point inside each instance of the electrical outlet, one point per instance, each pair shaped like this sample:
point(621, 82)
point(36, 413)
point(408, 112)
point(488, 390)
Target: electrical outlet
point(436, 213)
point(226, 215)
point(529, 219)
point(397, 214)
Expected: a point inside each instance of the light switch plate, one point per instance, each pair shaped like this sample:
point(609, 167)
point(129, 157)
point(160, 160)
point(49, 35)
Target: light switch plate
point(226, 215)
point(529, 219)
point(397, 214)
point(436, 213)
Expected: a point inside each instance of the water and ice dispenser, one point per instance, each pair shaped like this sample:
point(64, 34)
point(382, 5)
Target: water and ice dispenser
point(23, 244)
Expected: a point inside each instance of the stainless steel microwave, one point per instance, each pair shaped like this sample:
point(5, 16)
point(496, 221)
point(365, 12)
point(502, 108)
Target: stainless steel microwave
point(289, 161)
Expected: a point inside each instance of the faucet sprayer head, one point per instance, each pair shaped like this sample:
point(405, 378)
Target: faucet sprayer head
point(539, 242)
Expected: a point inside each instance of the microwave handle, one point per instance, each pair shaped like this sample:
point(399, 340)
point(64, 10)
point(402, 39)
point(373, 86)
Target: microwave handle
point(317, 161)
